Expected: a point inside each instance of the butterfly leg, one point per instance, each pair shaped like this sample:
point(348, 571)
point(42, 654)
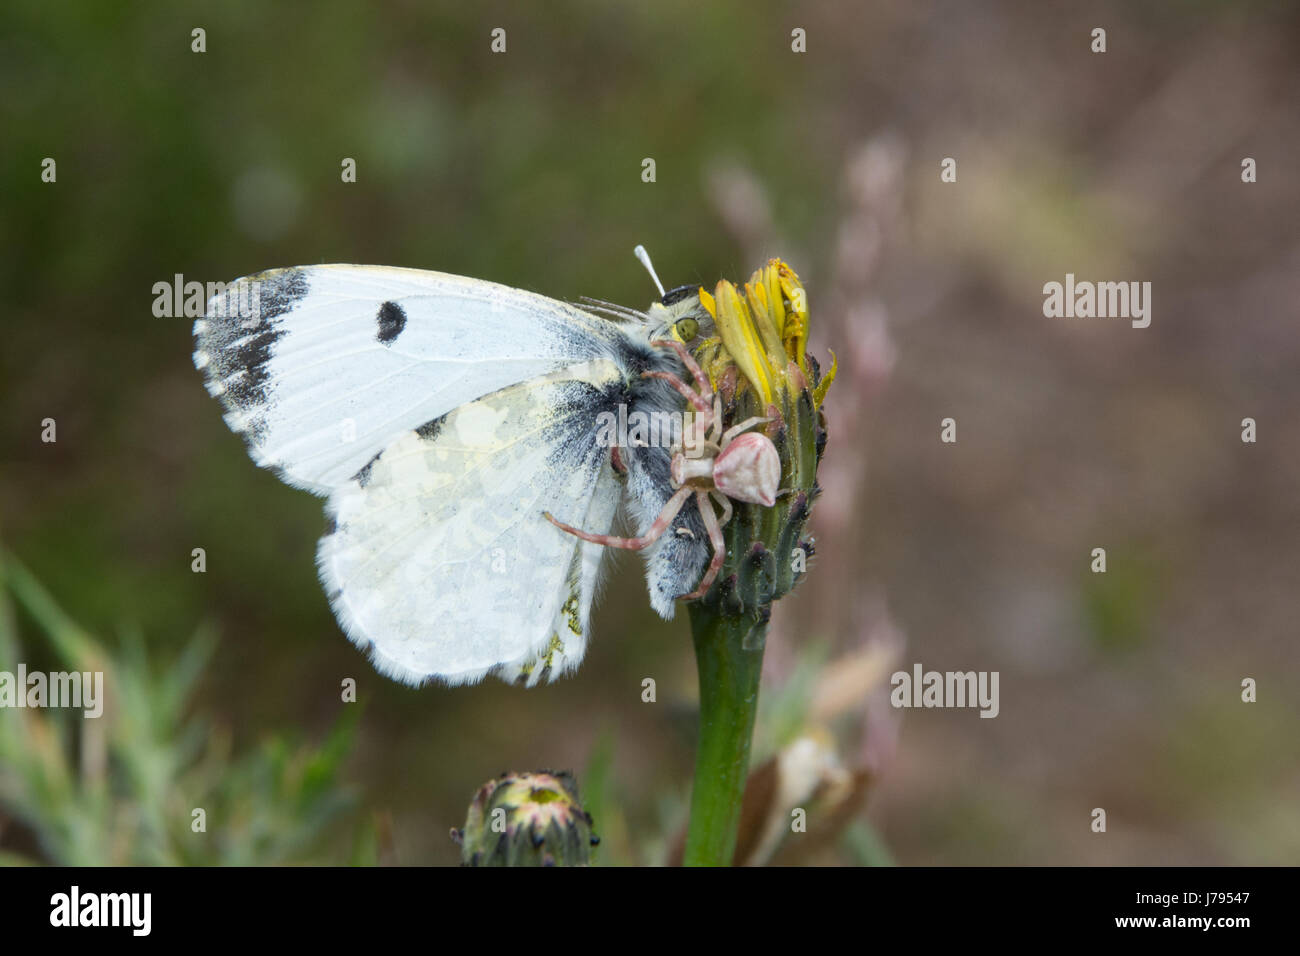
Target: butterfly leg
point(719, 548)
point(661, 524)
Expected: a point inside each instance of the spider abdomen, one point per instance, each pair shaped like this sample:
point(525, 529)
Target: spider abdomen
point(748, 469)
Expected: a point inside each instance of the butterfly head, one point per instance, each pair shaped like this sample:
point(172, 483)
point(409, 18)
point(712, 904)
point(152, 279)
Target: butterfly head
point(678, 313)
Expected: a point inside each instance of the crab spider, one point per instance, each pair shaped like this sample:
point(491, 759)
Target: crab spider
point(736, 465)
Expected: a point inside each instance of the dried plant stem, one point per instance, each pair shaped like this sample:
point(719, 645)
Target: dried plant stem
point(729, 656)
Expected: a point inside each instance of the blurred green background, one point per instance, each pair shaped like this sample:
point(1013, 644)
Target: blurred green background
point(1119, 691)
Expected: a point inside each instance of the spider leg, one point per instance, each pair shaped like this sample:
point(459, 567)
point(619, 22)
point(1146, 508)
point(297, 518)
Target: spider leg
point(735, 430)
point(719, 547)
point(671, 507)
point(714, 426)
point(725, 502)
point(696, 442)
point(708, 411)
point(702, 380)
point(691, 395)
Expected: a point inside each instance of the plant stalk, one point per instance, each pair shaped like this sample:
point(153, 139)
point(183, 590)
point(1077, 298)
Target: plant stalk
point(729, 657)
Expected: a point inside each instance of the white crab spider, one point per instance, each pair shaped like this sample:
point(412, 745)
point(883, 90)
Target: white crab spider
point(745, 467)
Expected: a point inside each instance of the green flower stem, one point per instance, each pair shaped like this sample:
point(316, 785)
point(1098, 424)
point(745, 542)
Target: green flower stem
point(729, 655)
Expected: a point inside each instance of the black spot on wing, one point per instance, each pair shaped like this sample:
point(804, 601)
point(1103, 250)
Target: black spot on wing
point(429, 430)
point(391, 322)
point(362, 477)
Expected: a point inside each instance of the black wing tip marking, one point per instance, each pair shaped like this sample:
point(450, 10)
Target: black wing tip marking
point(392, 320)
point(278, 291)
point(238, 348)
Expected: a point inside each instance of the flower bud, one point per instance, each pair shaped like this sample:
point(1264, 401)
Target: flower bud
point(760, 367)
point(527, 819)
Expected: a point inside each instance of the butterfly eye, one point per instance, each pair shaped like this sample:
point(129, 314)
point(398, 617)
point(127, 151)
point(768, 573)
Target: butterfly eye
point(686, 329)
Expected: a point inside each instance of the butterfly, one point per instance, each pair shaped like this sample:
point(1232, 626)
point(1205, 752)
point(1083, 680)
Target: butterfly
point(453, 427)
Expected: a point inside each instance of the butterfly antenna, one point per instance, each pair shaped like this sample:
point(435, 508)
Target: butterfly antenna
point(644, 256)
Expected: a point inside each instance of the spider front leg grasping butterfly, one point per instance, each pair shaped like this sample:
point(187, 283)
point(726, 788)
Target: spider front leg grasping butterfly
point(737, 464)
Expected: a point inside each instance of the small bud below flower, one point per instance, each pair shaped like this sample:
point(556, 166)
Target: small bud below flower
point(527, 819)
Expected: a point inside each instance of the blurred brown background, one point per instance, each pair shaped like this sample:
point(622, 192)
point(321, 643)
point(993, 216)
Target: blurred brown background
point(1119, 691)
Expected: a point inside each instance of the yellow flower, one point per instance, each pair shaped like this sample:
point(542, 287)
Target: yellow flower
point(764, 333)
point(759, 365)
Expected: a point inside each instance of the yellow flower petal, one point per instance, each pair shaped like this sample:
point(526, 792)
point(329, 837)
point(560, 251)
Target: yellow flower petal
point(756, 293)
point(736, 327)
point(706, 300)
point(763, 331)
point(771, 280)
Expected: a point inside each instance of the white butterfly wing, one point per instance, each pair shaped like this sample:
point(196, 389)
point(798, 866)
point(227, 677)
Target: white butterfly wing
point(439, 560)
point(320, 366)
point(442, 415)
